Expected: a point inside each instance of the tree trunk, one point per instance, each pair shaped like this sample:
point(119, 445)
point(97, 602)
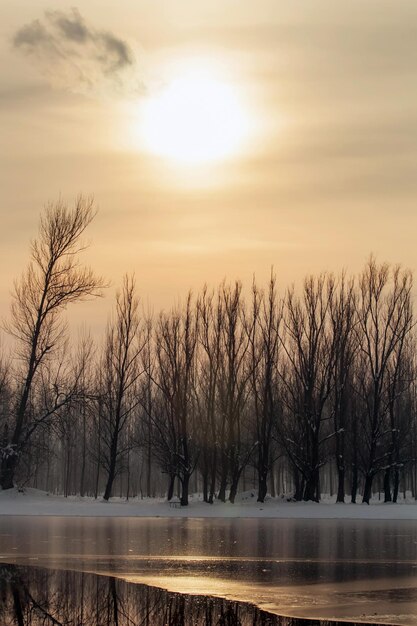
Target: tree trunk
point(396, 485)
point(234, 485)
point(312, 489)
point(340, 463)
point(367, 490)
point(309, 490)
point(213, 478)
point(8, 468)
point(298, 484)
point(112, 471)
point(223, 481)
point(205, 485)
point(115, 601)
point(311, 486)
point(17, 605)
point(354, 488)
point(340, 484)
point(262, 485)
point(233, 490)
point(184, 491)
point(263, 456)
point(83, 462)
point(109, 484)
point(272, 482)
point(387, 485)
point(171, 486)
point(67, 470)
point(149, 463)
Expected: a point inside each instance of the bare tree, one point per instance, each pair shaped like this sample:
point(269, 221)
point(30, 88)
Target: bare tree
point(306, 376)
point(343, 350)
point(6, 394)
point(210, 332)
point(401, 375)
point(176, 342)
point(53, 280)
point(85, 404)
point(384, 314)
point(264, 349)
point(73, 423)
point(234, 378)
point(147, 392)
point(121, 371)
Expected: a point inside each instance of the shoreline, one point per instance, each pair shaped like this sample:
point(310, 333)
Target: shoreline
point(32, 502)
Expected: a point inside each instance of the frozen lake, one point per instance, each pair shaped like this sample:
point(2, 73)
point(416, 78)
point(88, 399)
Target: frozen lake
point(334, 569)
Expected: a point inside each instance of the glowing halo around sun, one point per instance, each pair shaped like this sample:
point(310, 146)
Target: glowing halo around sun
point(195, 119)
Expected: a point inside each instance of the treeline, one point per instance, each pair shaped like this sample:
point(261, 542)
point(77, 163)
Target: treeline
point(302, 391)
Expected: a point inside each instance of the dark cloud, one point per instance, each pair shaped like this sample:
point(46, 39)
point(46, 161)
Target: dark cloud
point(71, 26)
point(73, 53)
point(31, 35)
point(118, 53)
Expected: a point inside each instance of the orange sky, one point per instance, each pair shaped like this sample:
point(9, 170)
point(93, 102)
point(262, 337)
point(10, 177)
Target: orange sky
point(327, 176)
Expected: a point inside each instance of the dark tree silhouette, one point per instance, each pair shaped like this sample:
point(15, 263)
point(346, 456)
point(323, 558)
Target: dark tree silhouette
point(53, 279)
point(384, 315)
point(307, 378)
point(121, 369)
point(264, 338)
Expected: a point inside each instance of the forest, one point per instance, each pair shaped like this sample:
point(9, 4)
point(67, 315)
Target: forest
point(297, 391)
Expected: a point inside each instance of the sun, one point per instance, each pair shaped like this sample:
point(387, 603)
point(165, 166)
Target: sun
point(195, 118)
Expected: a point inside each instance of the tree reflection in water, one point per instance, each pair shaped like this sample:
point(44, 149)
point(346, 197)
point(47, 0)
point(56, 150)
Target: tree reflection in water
point(32, 596)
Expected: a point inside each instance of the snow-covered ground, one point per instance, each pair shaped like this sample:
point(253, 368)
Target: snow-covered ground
point(34, 502)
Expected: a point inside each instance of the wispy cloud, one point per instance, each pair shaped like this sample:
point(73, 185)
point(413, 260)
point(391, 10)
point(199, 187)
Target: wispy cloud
point(73, 54)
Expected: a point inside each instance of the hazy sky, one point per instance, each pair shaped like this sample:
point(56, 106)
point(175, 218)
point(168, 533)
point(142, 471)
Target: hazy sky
point(327, 173)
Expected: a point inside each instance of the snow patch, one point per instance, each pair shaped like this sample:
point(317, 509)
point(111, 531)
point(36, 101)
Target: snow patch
point(35, 502)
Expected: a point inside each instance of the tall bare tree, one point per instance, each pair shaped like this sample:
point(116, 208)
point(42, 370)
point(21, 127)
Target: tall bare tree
point(384, 313)
point(306, 375)
point(145, 426)
point(234, 379)
point(210, 313)
point(85, 404)
point(121, 371)
point(53, 279)
point(401, 376)
point(176, 343)
point(343, 350)
point(264, 351)
point(71, 428)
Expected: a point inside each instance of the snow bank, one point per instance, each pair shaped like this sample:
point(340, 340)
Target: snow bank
point(34, 502)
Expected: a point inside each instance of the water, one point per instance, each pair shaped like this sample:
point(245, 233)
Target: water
point(332, 569)
point(35, 597)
